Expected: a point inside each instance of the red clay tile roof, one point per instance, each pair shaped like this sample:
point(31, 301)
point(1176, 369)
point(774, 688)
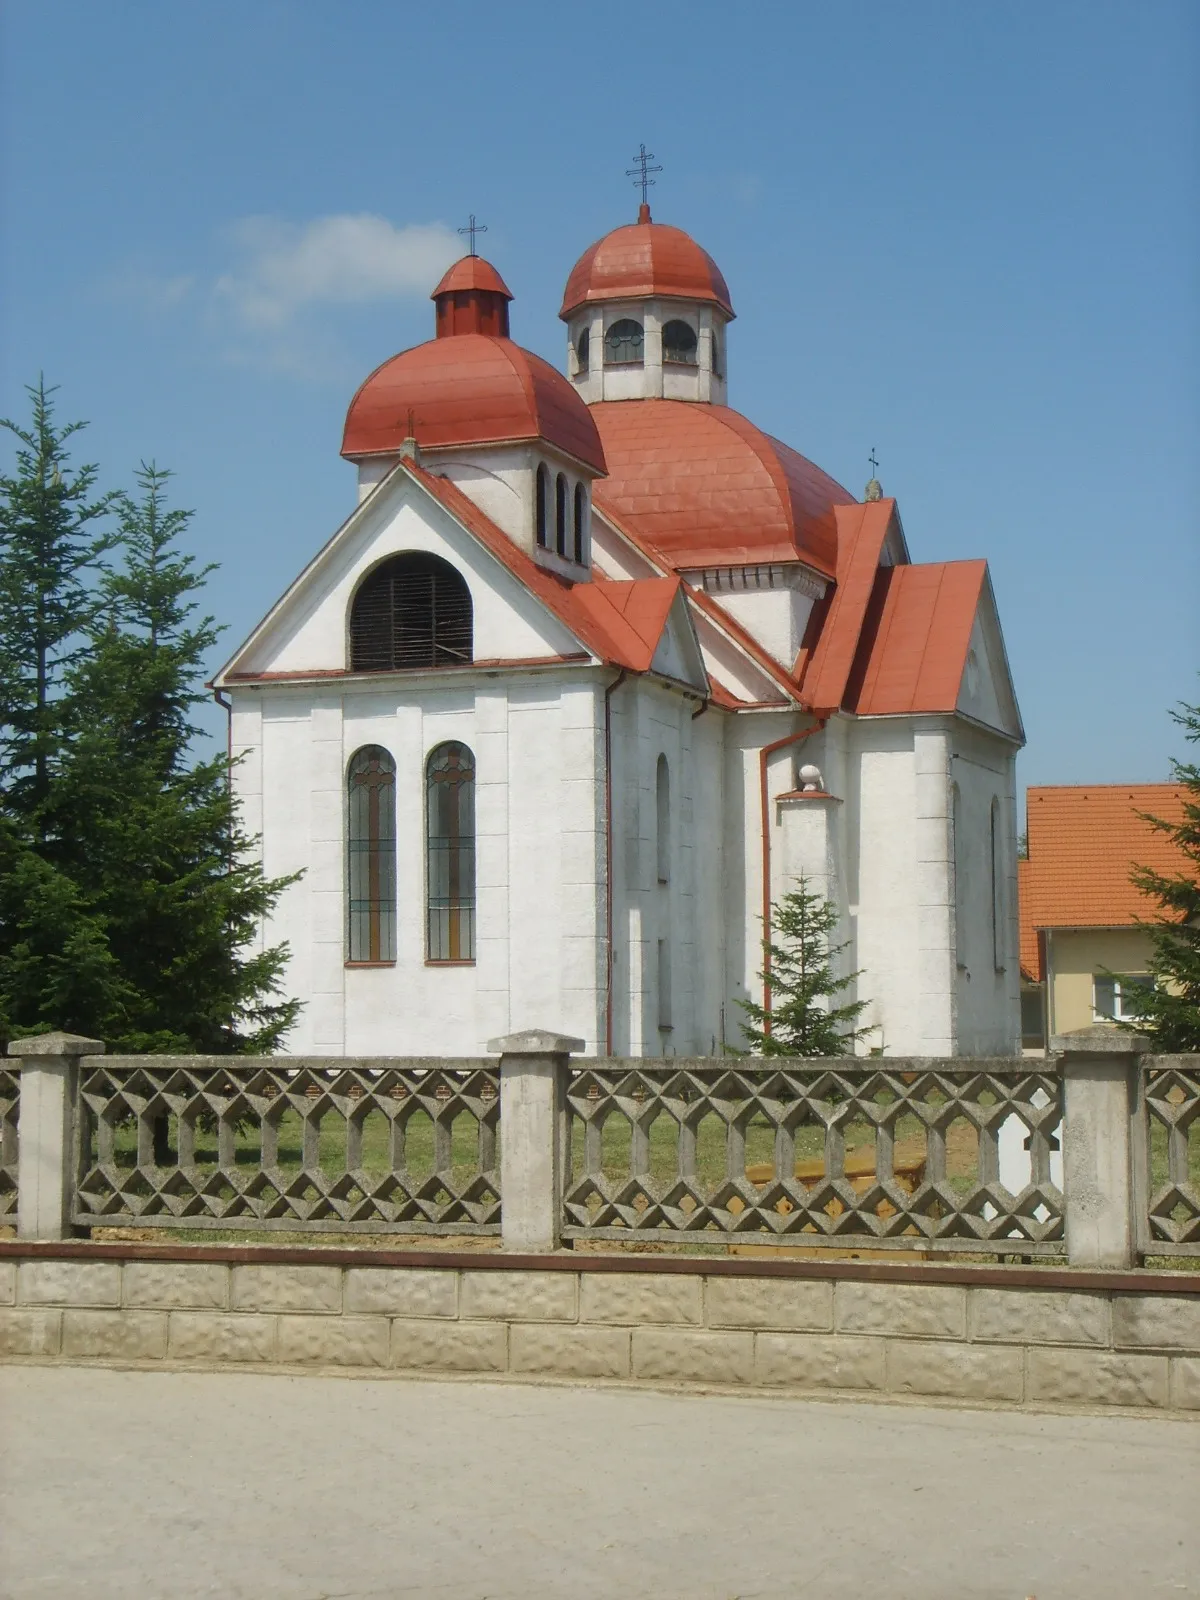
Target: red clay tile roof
point(474, 388)
point(705, 487)
point(1083, 843)
point(643, 259)
point(916, 637)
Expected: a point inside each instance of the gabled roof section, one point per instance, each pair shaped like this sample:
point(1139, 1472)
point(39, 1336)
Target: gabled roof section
point(631, 614)
point(827, 660)
point(916, 637)
point(1084, 841)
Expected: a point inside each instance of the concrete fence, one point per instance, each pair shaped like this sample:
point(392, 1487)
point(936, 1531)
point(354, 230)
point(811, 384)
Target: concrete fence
point(1089, 1154)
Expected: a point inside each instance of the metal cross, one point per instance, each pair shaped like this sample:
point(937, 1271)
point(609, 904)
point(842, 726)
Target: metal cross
point(471, 229)
point(874, 465)
point(640, 173)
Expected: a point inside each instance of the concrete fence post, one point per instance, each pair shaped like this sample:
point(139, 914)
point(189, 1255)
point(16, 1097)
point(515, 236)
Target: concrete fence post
point(533, 1077)
point(1099, 1067)
point(49, 1070)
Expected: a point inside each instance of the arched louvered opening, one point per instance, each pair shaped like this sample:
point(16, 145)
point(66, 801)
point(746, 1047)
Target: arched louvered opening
point(450, 847)
point(413, 610)
point(560, 514)
point(580, 521)
point(623, 343)
point(679, 343)
point(371, 847)
point(543, 505)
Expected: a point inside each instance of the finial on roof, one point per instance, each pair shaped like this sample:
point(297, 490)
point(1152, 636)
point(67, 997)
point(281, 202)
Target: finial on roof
point(410, 450)
point(874, 489)
point(641, 179)
point(471, 229)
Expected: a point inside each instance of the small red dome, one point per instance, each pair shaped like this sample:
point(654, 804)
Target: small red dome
point(706, 488)
point(643, 259)
point(472, 272)
point(474, 388)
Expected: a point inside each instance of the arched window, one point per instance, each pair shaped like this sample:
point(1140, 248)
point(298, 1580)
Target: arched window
point(718, 356)
point(560, 514)
point(997, 860)
point(450, 849)
point(582, 347)
point(679, 343)
point(959, 878)
point(623, 342)
point(413, 610)
point(580, 521)
point(662, 806)
point(371, 846)
point(543, 504)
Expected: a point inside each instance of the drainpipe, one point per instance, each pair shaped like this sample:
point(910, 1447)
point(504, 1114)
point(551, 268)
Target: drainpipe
point(227, 707)
point(766, 752)
point(608, 860)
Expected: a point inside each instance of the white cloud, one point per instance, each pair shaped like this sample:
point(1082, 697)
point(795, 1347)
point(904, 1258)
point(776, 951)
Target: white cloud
point(285, 267)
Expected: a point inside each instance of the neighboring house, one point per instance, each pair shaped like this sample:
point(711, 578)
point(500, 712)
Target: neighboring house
point(592, 673)
point(1082, 951)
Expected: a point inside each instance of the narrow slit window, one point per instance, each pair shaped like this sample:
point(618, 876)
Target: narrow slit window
point(413, 610)
point(580, 521)
point(450, 841)
point(561, 498)
point(371, 874)
point(543, 498)
point(582, 347)
point(997, 860)
point(665, 1019)
point(662, 797)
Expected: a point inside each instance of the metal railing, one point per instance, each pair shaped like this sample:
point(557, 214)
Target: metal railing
point(309, 1144)
point(903, 1155)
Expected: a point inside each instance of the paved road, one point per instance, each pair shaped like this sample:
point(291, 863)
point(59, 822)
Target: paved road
point(163, 1485)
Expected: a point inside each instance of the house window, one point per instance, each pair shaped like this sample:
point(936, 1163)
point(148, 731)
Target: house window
point(450, 838)
point(413, 610)
point(1114, 996)
point(561, 499)
point(662, 798)
point(543, 505)
point(582, 347)
point(623, 343)
point(580, 520)
point(371, 845)
point(679, 343)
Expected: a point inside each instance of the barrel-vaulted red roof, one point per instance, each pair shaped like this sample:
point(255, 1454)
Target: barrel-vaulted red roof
point(474, 388)
point(642, 260)
point(703, 487)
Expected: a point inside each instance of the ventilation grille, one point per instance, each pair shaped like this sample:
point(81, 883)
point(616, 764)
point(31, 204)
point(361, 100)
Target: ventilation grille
point(413, 611)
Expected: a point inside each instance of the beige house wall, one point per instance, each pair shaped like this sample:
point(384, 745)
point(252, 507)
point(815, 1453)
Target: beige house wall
point(1074, 956)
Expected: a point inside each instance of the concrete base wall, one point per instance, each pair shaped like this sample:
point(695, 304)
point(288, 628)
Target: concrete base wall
point(852, 1329)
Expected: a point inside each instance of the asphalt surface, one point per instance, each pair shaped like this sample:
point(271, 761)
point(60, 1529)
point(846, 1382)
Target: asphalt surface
point(166, 1484)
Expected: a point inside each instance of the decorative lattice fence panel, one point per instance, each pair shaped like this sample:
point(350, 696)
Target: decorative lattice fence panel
point(291, 1143)
point(815, 1152)
point(1170, 1120)
point(10, 1094)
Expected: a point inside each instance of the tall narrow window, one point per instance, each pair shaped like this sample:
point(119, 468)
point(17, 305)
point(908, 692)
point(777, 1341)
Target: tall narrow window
point(560, 513)
point(450, 834)
point(662, 799)
point(413, 610)
point(580, 519)
point(665, 1019)
point(623, 343)
point(997, 859)
point(371, 837)
point(958, 878)
point(582, 346)
point(543, 504)
point(718, 359)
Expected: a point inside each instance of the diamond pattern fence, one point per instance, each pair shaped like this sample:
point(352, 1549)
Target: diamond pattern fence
point(10, 1093)
point(1170, 1135)
point(324, 1144)
point(815, 1152)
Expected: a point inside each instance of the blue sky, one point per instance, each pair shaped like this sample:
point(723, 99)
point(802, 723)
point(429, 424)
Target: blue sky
point(963, 234)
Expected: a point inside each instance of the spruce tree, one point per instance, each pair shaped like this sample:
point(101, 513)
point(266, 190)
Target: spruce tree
point(803, 1018)
point(1169, 1012)
point(151, 837)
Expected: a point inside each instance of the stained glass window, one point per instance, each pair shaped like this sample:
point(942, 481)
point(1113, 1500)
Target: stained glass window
point(450, 836)
point(371, 834)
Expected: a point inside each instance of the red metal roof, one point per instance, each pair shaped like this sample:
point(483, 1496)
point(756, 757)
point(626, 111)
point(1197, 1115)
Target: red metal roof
point(704, 487)
point(1084, 841)
point(472, 272)
point(915, 638)
point(643, 259)
point(473, 388)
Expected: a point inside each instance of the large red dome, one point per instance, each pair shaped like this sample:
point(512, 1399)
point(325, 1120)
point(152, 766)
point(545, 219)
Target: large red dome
point(473, 388)
point(705, 487)
point(645, 259)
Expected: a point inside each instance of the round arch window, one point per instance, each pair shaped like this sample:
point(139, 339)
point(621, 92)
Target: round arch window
point(623, 343)
point(582, 348)
point(679, 343)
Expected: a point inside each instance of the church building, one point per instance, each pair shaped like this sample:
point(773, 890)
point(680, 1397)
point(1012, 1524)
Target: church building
point(592, 673)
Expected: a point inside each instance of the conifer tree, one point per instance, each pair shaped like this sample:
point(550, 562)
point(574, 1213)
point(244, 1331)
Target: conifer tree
point(804, 1018)
point(1170, 1011)
point(151, 837)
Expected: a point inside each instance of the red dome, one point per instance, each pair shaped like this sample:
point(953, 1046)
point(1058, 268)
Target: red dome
point(473, 388)
point(643, 259)
point(472, 272)
point(706, 488)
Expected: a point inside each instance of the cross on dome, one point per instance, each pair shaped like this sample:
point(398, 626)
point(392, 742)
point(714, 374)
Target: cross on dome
point(640, 176)
point(471, 229)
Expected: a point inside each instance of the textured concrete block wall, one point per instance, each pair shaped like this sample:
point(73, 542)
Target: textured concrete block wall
point(1017, 1346)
